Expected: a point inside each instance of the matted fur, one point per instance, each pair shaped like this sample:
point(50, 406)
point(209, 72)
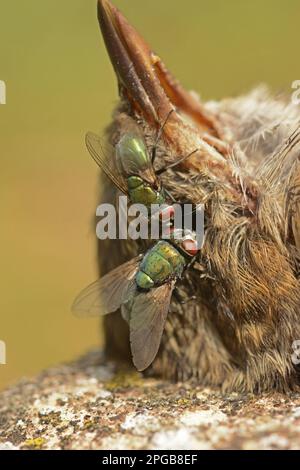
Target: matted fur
point(238, 334)
point(239, 331)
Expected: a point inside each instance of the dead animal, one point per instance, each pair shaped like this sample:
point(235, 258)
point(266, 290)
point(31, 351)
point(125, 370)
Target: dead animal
point(239, 331)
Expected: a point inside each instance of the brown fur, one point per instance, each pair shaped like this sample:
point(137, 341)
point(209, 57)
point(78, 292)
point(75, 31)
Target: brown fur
point(239, 331)
point(238, 334)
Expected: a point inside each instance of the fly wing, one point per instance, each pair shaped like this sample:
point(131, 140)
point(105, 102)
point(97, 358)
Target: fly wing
point(147, 320)
point(108, 293)
point(96, 150)
point(128, 300)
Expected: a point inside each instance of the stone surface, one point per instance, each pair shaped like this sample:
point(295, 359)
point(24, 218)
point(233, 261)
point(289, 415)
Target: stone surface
point(93, 405)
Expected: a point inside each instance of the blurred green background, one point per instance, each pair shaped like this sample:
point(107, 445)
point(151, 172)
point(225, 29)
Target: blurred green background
point(60, 84)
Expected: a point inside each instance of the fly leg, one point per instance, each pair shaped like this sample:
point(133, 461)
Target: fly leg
point(177, 294)
point(180, 299)
point(158, 137)
point(176, 163)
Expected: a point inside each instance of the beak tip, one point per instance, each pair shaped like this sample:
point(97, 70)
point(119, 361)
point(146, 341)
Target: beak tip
point(148, 85)
point(105, 8)
point(100, 6)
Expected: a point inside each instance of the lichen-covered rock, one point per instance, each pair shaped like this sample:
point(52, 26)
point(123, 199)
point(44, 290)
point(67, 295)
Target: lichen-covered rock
point(91, 404)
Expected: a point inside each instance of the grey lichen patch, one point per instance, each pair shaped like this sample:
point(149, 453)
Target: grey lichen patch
point(92, 405)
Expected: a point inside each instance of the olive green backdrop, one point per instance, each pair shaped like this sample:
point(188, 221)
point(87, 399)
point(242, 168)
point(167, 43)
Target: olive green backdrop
point(60, 84)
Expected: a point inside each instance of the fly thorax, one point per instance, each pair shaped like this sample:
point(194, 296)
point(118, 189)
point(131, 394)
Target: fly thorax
point(142, 193)
point(131, 154)
point(172, 255)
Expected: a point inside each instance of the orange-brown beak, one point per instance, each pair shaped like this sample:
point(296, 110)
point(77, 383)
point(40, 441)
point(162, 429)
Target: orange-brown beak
point(153, 93)
point(144, 79)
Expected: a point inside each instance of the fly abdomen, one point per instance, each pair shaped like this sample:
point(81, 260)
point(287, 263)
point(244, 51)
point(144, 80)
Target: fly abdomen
point(144, 281)
point(142, 193)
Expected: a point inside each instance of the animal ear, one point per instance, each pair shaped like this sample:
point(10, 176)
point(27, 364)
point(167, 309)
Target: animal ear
point(143, 78)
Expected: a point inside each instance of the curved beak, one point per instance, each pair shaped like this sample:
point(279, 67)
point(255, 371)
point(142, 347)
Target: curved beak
point(152, 92)
point(144, 79)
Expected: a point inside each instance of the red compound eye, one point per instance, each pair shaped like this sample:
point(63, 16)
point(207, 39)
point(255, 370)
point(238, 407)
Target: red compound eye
point(167, 213)
point(190, 246)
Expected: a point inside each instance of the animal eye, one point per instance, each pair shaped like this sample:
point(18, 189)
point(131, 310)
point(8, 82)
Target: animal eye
point(190, 246)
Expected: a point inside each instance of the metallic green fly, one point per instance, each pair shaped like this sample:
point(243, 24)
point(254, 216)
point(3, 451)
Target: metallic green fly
point(142, 288)
point(130, 167)
point(132, 172)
